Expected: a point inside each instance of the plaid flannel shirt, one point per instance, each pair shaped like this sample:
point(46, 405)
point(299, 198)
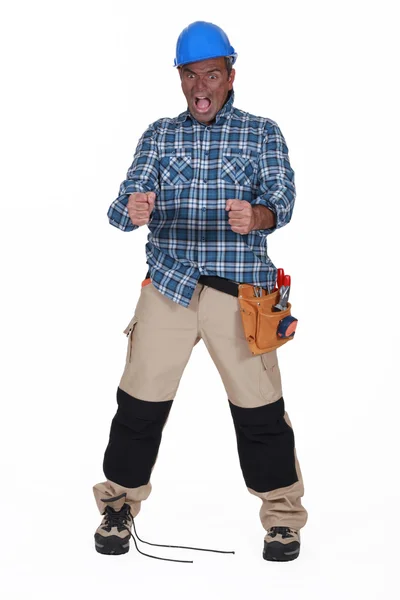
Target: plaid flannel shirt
point(193, 170)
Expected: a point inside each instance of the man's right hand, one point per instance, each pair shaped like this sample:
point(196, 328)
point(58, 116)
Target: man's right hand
point(140, 206)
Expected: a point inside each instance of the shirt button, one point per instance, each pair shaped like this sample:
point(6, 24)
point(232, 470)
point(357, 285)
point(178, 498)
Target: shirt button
point(206, 153)
point(208, 128)
point(203, 209)
point(203, 239)
point(205, 180)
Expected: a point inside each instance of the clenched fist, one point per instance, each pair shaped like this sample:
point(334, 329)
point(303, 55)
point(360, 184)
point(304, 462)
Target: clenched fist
point(241, 215)
point(140, 206)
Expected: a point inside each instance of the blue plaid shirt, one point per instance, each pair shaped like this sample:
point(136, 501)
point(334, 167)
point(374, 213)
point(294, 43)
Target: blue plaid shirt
point(193, 170)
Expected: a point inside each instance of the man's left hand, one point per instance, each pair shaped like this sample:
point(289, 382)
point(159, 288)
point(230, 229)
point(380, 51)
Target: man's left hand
point(241, 216)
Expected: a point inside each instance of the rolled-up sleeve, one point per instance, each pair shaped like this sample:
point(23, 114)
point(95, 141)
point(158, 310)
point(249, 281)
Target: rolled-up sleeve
point(275, 178)
point(142, 176)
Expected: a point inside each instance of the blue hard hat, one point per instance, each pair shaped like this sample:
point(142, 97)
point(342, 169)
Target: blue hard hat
point(201, 40)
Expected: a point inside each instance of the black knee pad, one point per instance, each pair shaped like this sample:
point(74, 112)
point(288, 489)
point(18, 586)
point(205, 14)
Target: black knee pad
point(140, 416)
point(265, 445)
point(135, 437)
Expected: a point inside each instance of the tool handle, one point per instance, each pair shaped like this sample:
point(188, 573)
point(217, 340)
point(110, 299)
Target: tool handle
point(280, 276)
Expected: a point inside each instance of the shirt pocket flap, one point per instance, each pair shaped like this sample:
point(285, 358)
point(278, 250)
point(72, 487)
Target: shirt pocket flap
point(241, 152)
point(176, 166)
point(239, 166)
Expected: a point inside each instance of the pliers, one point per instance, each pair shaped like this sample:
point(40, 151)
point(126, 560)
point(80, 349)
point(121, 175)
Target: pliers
point(283, 282)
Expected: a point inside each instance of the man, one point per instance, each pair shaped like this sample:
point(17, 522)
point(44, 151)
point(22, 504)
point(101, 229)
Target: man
point(211, 184)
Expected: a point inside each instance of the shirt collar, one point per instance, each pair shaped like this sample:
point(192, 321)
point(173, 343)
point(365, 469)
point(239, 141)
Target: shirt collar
point(222, 114)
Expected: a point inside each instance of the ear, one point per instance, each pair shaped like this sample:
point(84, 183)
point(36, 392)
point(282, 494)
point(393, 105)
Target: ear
point(231, 78)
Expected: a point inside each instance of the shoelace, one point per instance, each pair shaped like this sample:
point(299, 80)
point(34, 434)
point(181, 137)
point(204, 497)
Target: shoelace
point(120, 518)
point(283, 531)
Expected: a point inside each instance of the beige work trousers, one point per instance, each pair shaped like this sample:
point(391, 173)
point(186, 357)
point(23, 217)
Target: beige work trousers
point(161, 336)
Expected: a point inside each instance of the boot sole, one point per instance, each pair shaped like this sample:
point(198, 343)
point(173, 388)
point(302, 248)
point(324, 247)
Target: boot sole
point(277, 552)
point(111, 545)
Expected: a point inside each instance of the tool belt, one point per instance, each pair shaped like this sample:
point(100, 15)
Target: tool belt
point(261, 324)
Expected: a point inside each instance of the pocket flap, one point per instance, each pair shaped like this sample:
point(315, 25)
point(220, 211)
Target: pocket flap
point(131, 325)
point(243, 152)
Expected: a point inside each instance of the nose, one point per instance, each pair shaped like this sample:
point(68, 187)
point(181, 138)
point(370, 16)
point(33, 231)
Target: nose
point(199, 87)
point(200, 92)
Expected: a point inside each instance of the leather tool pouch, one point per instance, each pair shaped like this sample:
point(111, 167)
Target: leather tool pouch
point(260, 322)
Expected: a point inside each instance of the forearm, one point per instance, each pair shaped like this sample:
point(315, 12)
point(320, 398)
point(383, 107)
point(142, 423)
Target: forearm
point(142, 177)
point(277, 187)
point(264, 218)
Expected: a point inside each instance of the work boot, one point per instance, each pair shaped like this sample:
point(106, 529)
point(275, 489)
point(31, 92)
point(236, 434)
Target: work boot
point(281, 544)
point(112, 535)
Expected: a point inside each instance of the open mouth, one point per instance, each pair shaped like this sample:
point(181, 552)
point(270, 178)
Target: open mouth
point(202, 103)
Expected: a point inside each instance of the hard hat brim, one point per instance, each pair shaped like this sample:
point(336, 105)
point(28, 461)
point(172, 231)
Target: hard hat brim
point(188, 62)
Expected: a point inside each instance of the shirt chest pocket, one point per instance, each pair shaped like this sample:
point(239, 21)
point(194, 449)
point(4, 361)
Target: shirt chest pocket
point(176, 167)
point(239, 166)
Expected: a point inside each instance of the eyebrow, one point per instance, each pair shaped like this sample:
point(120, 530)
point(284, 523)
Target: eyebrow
point(186, 69)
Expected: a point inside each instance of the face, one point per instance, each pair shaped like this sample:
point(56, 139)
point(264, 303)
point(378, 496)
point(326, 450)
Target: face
point(206, 86)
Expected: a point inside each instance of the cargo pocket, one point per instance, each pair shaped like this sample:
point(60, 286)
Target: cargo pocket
point(270, 377)
point(129, 332)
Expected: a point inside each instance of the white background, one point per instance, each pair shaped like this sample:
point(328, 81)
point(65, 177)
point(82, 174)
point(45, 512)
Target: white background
point(80, 82)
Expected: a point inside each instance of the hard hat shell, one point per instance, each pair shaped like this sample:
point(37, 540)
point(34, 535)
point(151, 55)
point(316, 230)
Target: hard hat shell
point(201, 40)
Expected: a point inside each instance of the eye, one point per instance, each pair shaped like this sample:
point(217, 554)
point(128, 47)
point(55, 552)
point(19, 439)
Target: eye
point(213, 77)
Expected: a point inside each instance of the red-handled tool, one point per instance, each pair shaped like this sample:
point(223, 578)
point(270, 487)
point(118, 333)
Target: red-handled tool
point(279, 278)
point(287, 325)
point(283, 282)
point(286, 284)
